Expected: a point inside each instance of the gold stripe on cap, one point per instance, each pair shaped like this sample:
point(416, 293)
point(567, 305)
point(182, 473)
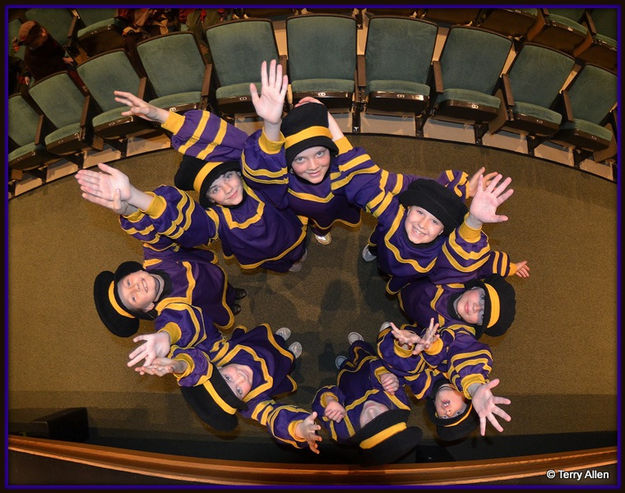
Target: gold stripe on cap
point(116, 306)
point(203, 173)
point(380, 436)
point(216, 397)
point(495, 305)
point(307, 133)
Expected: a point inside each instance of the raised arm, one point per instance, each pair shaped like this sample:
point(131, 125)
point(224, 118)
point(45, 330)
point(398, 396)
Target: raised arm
point(112, 189)
point(486, 404)
point(139, 107)
point(269, 104)
point(484, 205)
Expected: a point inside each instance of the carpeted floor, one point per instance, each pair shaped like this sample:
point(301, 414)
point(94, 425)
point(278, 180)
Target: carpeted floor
point(558, 363)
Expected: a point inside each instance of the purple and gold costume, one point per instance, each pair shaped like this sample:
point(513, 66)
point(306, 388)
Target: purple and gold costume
point(457, 356)
point(357, 381)
point(271, 365)
point(196, 289)
point(317, 202)
point(446, 259)
point(259, 232)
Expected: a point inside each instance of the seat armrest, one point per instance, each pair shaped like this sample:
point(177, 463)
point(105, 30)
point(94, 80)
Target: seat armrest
point(507, 90)
point(563, 106)
point(143, 82)
point(361, 71)
point(438, 77)
point(587, 19)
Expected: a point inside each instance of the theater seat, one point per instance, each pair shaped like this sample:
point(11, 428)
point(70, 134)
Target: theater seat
point(238, 48)
point(396, 72)
point(529, 90)
point(466, 75)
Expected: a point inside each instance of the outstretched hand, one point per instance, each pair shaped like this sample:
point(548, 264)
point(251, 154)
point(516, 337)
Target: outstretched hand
point(140, 108)
point(409, 337)
point(307, 429)
point(162, 366)
point(522, 269)
point(473, 181)
point(484, 205)
point(486, 405)
point(334, 411)
point(109, 188)
point(269, 104)
point(156, 345)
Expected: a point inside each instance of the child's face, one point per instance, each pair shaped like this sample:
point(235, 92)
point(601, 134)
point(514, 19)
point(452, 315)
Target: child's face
point(227, 189)
point(371, 410)
point(312, 164)
point(138, 291)
point(470, 306)
point(421, 226)
point(238, 377)
point(448, 402)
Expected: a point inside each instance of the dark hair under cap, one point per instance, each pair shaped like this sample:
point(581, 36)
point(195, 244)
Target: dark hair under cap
point(455, 428)
point(306, 126)
point(214, 402)
point(114, 315)
point(386, 438)
point(499, 305)
point(196, 174)
point(438, 200)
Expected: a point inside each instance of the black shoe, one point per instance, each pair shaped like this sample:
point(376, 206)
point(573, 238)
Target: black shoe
point(239, 293)
point(236, 309)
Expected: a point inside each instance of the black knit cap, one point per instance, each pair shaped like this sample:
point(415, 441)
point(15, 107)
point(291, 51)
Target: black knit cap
point(214, 402)
point(306, 126)
point(438, 200)
point(198, 175)
point(455, 428)
point(120, 320)
point(386, 438)
point(499, 305)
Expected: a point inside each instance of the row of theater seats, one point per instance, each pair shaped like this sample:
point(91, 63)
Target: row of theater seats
point(588, 33)
point(397, 73)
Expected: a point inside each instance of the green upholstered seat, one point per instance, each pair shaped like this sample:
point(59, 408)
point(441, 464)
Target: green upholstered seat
point(238, 48)
point(101, 31)
point(176, 70)
point(601, 46)
point(322, 58)
point(23, 125)
point(102, 74)
point(63, 102)
point(562, 29)
point(466, 76)
point(534, 81)
point(398, 58)
point(591, 94)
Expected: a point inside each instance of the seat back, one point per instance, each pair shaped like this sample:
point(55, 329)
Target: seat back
point(592, 93)
point(239, 47)
point(23, 120)
point(605, 21)
point(57, 22)
point(59, 98)
point(538, 73)
point(399, 49)
point(473, 58)
point(321, 46)
point(91, 16)
point(109, 71)
point(173, 63)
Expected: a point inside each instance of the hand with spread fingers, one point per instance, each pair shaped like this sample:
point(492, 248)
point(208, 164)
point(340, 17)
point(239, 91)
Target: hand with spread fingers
point(486, 405)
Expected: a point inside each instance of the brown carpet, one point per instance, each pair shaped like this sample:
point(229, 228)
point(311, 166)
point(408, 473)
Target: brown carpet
point(558, 363)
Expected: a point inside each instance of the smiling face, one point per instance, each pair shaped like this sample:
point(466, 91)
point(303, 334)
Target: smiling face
point(139, 290)
point(470, 306)
point(448, 402)
point(227, 189)
point(312, 164)
point(371, 410)
point(238, 377)
point(421, 226)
